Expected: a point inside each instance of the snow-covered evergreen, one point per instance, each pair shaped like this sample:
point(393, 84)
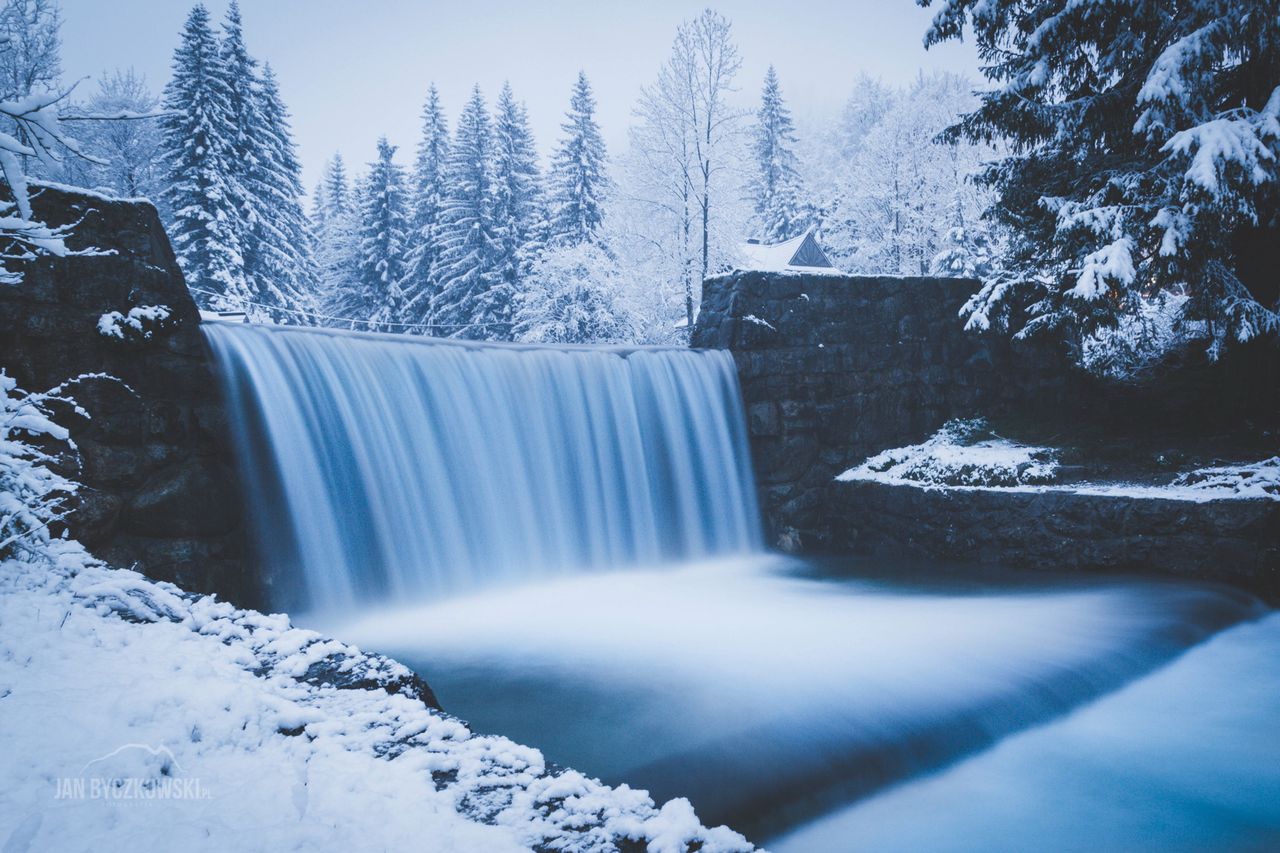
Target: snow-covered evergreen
point(203, 194)
point(273, 235)
point(579, 184)
point(234, 196)
point(517, 192)
point(427, 202)
point(285, 269)
point(781, 208)
point(1145, 157)
point(384, 226)
point(472, 301)
point(336, 224)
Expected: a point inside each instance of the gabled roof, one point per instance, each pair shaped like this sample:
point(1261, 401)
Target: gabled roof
point(799, 254)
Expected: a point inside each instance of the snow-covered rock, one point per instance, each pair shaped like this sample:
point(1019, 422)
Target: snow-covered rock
point(967, 455)
point(1259, 480)
point(962, 453)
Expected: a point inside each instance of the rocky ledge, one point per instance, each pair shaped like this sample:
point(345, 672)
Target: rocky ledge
point(158, 493)
point(1235, 541)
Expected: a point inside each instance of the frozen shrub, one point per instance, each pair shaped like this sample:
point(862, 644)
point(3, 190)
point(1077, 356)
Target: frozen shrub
point(32, 495)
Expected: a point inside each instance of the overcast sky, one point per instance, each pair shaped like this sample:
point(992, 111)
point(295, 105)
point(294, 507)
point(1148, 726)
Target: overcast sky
point(351, 71)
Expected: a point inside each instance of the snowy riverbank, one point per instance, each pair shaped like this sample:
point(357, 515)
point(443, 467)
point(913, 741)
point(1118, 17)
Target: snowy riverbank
point(138, 715)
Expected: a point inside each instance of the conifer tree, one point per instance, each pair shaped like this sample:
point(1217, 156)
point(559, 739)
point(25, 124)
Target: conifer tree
point(337, 188)
point(579, 185)
point(286, 272)
point(203, 192)
point(516, 192)
point(319, 209)
point(273, 240)
point(427, 202)
point(1144, 143)
point(471, 301)
point(239, 74)
point(337, 242)
point(384, 224)
point(776, 189)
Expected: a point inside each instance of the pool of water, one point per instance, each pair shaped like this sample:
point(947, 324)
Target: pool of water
point(834, 706)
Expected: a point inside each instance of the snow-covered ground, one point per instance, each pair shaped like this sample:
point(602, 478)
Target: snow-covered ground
point(966, 455)
point(135, 716)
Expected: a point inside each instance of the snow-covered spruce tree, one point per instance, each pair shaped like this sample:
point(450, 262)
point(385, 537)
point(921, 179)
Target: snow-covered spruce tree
point(776, 191)
point(384, 225)
point(578, 183)
point(472, 301)
point(1145, 157)
point(286, 269)
point(273, 239)
point(203, 193)
point(336, 226)
point(517, 192)
point(427, 202)
point(571, 297)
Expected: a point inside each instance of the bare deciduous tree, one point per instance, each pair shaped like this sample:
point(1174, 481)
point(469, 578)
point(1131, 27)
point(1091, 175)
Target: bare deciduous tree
point(29, 47)
point(686, 129)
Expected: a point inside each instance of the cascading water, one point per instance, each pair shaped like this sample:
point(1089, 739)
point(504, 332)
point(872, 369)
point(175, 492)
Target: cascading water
point(383, 467)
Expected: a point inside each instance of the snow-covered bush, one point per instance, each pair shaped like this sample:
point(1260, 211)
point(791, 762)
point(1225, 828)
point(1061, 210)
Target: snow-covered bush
point(32, 495)
point(1261, 479)
point(962, 453)
point(570, 297)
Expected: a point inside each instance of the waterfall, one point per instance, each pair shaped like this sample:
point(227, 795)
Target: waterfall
point(382, 467)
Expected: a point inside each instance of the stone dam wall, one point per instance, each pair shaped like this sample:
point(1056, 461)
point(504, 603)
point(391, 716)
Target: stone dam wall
point(837, 368)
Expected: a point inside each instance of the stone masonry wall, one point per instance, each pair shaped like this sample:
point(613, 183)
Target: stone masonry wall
point(1233, 541)
point(158, 492)
point(836, 368)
